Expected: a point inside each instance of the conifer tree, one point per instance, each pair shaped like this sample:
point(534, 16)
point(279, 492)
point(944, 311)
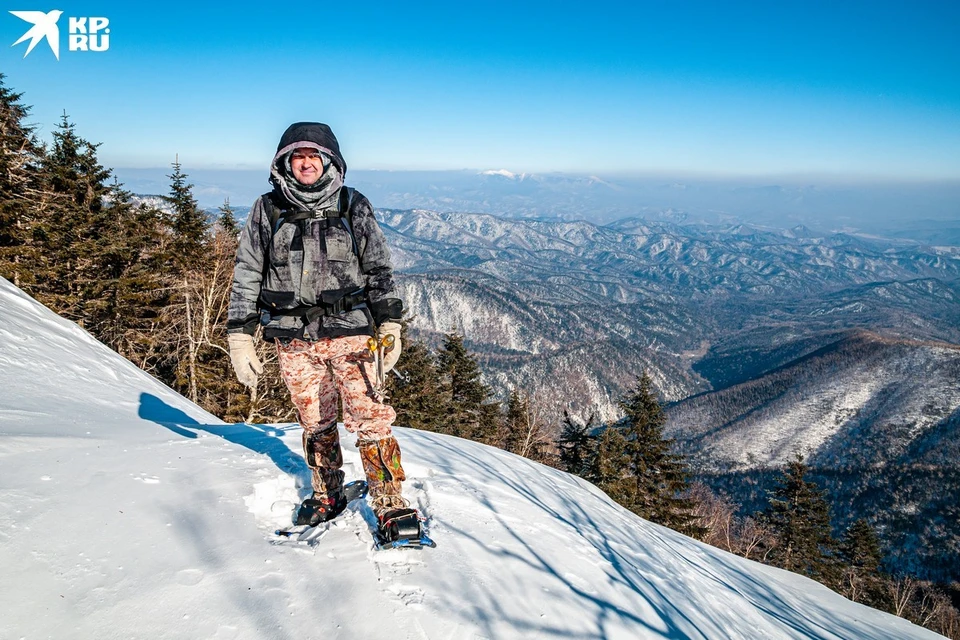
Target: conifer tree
point(71, 230)
point(227, 221)
point(608, 468)
point(470, 414)
point(799, 516)
point(415, 392)
point(576, 444)
point(659, 476)
point(21, 196)
point(189, 224)
point(860, 550)
point(125, 300)
point(517, 410)
point(860, 546)
point(524, 430)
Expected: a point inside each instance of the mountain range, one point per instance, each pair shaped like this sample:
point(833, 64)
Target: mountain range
point(765, 343)
point(587, 307)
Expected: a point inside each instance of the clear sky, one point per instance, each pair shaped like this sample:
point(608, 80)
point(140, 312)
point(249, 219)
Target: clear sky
point(854, 89)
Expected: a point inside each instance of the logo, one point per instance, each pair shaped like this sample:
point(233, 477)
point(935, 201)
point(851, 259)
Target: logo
point(84, 34)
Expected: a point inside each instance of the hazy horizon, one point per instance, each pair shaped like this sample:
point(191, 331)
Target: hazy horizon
point(924, 211)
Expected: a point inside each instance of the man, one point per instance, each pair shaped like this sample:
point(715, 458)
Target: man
point(314, 269)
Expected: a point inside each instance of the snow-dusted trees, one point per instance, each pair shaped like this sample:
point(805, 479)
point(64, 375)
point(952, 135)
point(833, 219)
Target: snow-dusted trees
point(799, 516)
point(21, 196)
point(658, 475)
point(470, 412)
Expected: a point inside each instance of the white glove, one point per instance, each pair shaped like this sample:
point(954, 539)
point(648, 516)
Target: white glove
point(390, 356)
point(244, 358)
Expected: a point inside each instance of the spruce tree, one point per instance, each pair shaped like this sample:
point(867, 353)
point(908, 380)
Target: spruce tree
point(470, 414)
point(517, 412)
point(74, 228)
point(227, 221)
point(862, 578)
point(21, 196)
point(415, 390)
point(608, 467)
point(523, 429)
point(799, 517)
point(659, 476)
point(576, 444)
point(125, 300)
point(860, 546)
point(189, 224)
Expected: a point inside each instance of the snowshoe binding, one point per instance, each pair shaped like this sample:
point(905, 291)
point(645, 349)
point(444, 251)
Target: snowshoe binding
point(316, 510)
point(399, 525)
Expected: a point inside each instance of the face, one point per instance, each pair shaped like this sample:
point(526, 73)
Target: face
point(307, 165)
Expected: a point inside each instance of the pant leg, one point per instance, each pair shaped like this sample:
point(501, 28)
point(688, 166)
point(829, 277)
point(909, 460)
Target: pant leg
point(365, 415)
point(354, 373)
point(314, 393)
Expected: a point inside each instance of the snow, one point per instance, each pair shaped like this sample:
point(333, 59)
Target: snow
point(499, 172)
point(127, 511)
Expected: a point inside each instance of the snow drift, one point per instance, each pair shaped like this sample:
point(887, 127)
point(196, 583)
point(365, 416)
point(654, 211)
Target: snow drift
point(127, 511)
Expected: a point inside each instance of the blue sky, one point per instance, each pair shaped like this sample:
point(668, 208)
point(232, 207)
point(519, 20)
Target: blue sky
point(852, 90)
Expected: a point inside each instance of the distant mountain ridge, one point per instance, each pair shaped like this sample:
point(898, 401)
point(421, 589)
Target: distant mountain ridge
point(529, 294)
point(924, 212)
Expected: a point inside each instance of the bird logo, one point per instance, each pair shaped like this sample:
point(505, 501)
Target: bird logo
point(44, 26)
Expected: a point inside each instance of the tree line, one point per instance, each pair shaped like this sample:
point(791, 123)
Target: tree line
point(153, 284)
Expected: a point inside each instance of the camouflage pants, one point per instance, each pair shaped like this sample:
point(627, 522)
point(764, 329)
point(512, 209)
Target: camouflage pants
point(322, 374)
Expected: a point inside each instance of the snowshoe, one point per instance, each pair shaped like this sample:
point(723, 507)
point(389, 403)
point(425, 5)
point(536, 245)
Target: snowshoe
point(314, 511)
point(398, 528)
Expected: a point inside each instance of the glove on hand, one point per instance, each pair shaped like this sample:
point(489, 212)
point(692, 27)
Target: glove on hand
point(390, 356)
point(246, 364)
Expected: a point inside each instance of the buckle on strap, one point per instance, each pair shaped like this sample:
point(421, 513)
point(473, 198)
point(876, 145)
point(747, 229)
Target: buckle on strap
point(346, 302)
point(341, 305)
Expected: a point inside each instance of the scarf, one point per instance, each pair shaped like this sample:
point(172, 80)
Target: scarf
point(322, 195)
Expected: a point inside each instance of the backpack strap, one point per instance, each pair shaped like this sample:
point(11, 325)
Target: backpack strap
point(272, 210)
point(346, 216)
point(344, 213)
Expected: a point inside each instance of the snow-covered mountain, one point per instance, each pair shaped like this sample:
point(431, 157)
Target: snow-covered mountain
point(573, 304)
point(876, 417)
point(129, 512)
point(862, 400)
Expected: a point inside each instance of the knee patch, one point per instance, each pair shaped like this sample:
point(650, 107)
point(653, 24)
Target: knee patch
point(321, 449)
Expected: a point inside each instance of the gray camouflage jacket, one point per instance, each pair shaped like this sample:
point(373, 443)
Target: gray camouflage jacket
point(280, 274)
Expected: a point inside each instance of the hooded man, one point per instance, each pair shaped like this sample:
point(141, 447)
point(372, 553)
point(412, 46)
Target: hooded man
point(313, 268)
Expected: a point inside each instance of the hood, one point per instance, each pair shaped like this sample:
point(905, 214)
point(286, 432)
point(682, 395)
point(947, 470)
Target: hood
point(310, 134)
point(324, 193)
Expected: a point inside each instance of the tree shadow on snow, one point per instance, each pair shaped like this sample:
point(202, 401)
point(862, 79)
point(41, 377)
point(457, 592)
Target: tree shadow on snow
point(263, 439)
point(660, 571)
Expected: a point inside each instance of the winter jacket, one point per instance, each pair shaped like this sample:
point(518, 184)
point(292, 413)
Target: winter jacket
point(279, 274)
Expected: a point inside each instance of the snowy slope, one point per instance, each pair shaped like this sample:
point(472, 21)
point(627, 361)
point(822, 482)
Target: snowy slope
point(125, 511)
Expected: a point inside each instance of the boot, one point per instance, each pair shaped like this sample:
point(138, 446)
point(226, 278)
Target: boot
point(322, 452)
point(397, 522)
point(320, 508)
point(384, 471)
